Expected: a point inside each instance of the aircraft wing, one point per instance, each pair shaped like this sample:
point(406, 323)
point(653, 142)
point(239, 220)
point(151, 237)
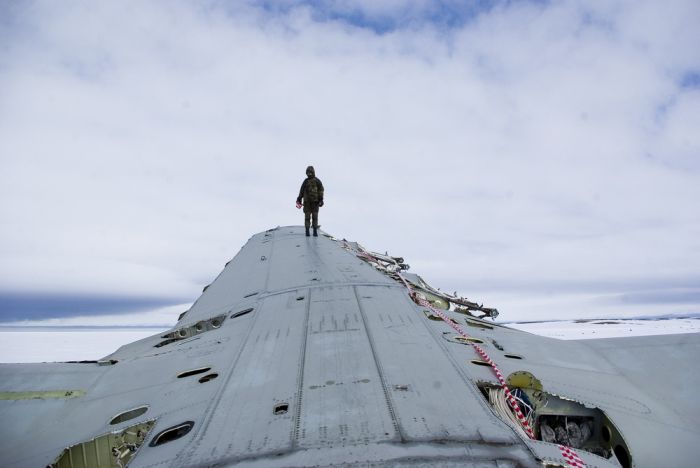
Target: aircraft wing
point(316, 352)
point(661, 373)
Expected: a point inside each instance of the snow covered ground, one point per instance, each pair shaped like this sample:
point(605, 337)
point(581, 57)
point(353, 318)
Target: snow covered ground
point(81, 338)
point(46, 344)
point(609, 328)
point(49, 341)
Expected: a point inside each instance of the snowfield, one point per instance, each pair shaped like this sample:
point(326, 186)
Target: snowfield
point(68, 342)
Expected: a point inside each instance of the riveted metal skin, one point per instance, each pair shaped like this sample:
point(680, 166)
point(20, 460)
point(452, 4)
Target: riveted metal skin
point(315, 357)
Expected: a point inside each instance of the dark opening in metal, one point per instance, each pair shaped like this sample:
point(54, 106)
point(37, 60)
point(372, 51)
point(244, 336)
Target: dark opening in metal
point(468, 340)
point(172, 433)
point(108, 362)
point(115, 448)
point(250, 295)
point(513, 356)
point(166, 342)
point(476, 324)
point(208, 377)
point(437, 318)
point(605, 432)
point(622, 456)
point(129, 414)
point(282, 408)
point(242, 312)
point(188, 373)
point(480, 363)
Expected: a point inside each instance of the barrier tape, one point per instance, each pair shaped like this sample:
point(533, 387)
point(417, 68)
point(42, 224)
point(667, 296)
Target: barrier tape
point(571, 457)
point(499, 375)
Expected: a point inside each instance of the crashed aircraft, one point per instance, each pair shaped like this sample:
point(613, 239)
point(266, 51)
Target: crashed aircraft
point(317, 352)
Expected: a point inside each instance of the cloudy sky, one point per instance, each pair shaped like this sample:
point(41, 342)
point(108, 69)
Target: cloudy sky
point(540, 156)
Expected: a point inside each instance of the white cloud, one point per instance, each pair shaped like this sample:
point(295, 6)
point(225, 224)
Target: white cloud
point(141, 145)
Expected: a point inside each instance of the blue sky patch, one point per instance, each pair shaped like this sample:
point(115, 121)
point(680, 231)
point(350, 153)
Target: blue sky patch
point(444, 14)
point(28, 306)
point(690, 80)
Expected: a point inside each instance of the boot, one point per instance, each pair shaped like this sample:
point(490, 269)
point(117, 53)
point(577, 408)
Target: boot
point(315, 232)
point(307, 232)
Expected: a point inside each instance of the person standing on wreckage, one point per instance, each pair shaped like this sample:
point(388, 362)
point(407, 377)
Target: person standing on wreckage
point(311, 197)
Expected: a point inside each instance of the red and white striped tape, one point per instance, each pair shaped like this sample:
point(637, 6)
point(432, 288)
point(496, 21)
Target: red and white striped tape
point(499, 375)
point(571, 457)
point(568, 453)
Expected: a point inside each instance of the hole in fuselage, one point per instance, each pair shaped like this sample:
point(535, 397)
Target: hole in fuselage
point(468, 340)
point(513, 356)
point(130, 414)
point(622, 456)
point(188, 373)
point(558, 420)
point(480, 363)
point(242, 312)
point(172, 433)
point(473, 323)
point(282, 408)
point(437, 318)
point(208, 377)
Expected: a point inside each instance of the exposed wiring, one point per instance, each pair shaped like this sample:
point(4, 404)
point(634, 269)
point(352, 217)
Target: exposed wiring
point(498, 398)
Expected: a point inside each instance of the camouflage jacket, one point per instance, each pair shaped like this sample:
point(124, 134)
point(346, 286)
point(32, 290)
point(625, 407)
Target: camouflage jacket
point(311, 191)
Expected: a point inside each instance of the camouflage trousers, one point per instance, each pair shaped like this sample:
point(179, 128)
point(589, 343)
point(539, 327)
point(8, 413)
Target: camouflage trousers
point(309, 214)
